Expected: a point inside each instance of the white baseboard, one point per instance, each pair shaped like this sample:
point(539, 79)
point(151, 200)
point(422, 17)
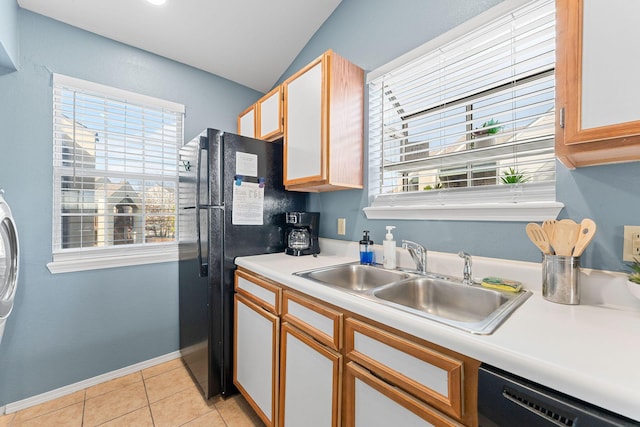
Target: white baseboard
point(72, 388)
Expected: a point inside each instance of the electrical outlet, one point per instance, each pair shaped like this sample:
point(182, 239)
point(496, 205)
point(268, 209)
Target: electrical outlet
point(631, 247)
point(342, 226)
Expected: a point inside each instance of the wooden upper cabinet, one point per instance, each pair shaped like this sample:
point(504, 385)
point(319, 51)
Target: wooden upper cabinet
point(596, 97)
point(247, 122)
point(270, 122)
point(323, 126)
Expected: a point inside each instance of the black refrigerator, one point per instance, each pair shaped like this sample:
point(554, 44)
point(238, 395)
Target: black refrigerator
point(231, 203)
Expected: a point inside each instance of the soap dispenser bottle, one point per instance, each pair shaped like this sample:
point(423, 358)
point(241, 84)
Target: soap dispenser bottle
point(366, 249)
point(389, 250)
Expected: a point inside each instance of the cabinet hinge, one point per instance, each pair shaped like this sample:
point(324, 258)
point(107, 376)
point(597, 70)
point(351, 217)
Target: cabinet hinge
point(562, 117)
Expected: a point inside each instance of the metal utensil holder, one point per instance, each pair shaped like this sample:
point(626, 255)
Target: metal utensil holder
point(561, 279)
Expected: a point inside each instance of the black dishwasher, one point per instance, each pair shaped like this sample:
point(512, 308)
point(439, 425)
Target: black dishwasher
point(505, 400)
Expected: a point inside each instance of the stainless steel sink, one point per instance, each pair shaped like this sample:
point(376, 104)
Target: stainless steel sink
point(354, 277)
point(473, 308)
point(440, 298)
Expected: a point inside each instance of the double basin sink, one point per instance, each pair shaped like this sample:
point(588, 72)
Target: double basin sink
point(440, 298)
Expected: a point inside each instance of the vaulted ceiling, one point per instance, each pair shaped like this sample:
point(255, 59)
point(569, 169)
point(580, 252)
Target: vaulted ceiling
point(251, 42)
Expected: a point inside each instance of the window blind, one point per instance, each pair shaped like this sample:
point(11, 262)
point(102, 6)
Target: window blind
point(115, 167)
point(472, 119)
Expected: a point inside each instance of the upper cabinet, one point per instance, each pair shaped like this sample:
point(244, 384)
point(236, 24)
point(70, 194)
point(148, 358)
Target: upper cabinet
point(247, 122)
point(270, 125)
point(263, 120)
point(323, 126)
point(596, 99)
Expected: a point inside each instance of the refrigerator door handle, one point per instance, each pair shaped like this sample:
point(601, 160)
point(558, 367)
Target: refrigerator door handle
point(204, 265)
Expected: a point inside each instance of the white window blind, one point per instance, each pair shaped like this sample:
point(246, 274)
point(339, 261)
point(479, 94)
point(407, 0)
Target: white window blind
point(470, 122)
point(115, 171)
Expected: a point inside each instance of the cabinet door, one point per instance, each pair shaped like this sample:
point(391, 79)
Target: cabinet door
point(304, 125)
point(371, 402)
point(247, 122)
point(255, 367)
point(310, 381)
point(269, 113)
point(596, 99)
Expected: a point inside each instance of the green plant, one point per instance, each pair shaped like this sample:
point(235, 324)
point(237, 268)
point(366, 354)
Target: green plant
point(634, 276)
point(513, 176)
point(488, 128)
point(438, 186)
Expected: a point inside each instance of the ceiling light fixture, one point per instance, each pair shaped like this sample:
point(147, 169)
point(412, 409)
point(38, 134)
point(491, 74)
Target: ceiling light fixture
point(157, 2)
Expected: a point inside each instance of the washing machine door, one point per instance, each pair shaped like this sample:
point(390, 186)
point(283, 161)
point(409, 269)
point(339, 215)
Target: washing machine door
point(8, 259)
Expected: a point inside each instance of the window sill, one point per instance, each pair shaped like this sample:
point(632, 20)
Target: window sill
point(67, 262)
point(524, 212)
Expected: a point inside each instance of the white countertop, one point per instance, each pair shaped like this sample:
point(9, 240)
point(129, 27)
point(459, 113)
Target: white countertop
point(590, 351)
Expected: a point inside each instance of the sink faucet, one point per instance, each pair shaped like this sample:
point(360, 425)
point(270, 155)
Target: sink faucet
point(418, 253)
point(466, 271)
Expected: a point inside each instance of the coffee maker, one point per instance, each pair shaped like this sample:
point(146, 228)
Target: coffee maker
point(301, 234)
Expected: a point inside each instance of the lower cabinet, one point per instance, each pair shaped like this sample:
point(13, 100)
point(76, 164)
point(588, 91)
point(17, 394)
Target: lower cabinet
point(256, 357)
point(256, 343)
point(417, 380)
point(310, 381)
point(372, 402)
point(300, 362)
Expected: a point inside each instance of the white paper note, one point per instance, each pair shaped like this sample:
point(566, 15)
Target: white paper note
point(246, 164)
point(248, 204)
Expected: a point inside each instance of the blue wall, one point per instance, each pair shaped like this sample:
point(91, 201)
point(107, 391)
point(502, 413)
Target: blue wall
point(68, 327)
point(8, 36)
point(361, 31)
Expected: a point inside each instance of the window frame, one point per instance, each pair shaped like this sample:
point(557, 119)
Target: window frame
point(475, 203)
point(113, 255)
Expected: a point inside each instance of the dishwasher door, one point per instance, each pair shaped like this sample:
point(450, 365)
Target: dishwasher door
point(505, 400)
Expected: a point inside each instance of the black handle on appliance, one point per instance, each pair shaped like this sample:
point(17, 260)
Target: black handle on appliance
point(204, 265)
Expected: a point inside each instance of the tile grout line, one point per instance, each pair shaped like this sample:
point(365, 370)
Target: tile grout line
point(146, 393)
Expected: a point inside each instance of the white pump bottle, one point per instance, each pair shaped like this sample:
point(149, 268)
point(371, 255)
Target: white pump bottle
point(389, 250)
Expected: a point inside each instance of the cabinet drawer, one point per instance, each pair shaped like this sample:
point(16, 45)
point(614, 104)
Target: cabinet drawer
point(265, 294)
point(427, 374)
point(322, 323)
point(372, 402)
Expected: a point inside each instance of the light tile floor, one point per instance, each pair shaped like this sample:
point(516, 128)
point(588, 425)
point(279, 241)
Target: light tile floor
point(160, 396)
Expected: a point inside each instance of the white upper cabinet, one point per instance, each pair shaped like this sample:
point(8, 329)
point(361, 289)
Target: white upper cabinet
point(269, 113)
point(247, 122)
point(596, 67)
point(323, 126)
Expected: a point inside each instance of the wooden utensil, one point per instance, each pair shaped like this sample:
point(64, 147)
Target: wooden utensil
point(565, 237)
point(549, 227)
point(587, 230)
point(538, 237)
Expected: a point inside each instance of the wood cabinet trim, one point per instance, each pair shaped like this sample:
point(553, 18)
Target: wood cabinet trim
point(335, 340)
point(275, 320)
point(274, 306)
point(451, 404)
point(334, 357)
point(353, 372)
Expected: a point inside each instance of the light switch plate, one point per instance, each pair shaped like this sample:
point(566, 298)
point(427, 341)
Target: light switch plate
point(342, 226)
point(631, 247)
